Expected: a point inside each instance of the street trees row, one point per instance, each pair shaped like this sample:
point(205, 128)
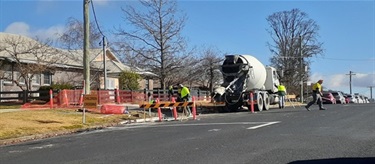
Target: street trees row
point(155, 43)
point(295, 41)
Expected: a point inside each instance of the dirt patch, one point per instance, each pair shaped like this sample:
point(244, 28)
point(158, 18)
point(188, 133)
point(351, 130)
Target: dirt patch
point(48, 121)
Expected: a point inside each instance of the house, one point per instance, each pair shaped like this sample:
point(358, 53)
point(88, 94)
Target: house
point(114, 67)
point(29, 64)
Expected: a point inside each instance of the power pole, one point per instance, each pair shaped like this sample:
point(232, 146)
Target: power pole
point(86, 55)
point(104, 62)
point(371, 91)
point(350, 80)
point(300, 48)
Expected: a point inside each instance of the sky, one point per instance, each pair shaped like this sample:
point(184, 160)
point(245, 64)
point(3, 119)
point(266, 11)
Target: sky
point(347, 30)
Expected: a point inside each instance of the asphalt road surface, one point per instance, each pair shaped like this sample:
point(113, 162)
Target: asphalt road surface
point(341, 134)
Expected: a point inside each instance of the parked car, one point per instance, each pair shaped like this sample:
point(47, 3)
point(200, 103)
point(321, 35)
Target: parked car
point(366, 99)
point(351, 98)
point(328, 98)
point(347, 99)
point(358, 98)
point(339, 97)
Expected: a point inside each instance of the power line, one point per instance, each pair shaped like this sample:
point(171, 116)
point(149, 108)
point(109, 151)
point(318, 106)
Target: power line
point(96, 21)
point(104, 46)
point(341, 59)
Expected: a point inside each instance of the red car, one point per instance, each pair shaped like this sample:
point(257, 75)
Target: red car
point(347, 98)
point(328, 98)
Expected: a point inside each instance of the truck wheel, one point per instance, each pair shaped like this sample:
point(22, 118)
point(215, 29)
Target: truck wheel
point(259, 105)
point(266, 100)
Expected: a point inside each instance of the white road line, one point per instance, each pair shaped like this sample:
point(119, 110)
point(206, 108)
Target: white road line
point(263, 125)
point(157, 125)
point(214, 130)
point(42, 147)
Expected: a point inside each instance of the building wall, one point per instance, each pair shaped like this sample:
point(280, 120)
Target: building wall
point(73, 77)
point(147, 84)
point(112, 83)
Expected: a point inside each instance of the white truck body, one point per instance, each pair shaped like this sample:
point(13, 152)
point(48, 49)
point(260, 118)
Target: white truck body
point(244, 74)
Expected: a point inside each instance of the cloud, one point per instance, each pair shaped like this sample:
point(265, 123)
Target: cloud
point(101, 2)
point(51, 33)
point(340, 81)
point(20, 28)
point(23, 28)
point(363, 80)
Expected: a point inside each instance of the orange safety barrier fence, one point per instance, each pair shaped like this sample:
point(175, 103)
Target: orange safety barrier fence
point(172, 104)
point(74, 98)
point(130, 96)
point(106, 96)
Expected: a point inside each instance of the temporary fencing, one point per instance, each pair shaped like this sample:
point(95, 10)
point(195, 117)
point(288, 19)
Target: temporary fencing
point(75, 99)
point(173, 104)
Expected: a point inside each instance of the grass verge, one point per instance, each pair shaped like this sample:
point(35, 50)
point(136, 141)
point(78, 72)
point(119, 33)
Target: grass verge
point(31, 124)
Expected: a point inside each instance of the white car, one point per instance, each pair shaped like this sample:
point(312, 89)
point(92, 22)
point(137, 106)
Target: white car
point(358, 98)
point(352, 99)
point(340, 99)
point(365, 99)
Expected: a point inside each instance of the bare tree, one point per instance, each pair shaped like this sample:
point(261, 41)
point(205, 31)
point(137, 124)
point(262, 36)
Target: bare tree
point(29, 58)
point(155, 43)
point(295, 38)
point(72, 38)
point(209, 67)
point(72, 41)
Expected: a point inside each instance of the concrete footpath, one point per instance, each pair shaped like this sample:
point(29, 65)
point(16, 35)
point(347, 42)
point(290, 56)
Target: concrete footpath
point(9, 110)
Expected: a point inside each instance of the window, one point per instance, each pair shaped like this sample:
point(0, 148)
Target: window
point(275, 75)
point(21, 80)
point(111, 83)
point(8, 77)
point(47, 79)
point(36, 80)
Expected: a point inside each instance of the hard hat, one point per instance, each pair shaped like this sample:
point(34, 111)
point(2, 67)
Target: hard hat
point(181, 85)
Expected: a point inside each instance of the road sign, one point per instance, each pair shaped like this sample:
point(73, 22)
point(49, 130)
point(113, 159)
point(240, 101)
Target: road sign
point(90, 101)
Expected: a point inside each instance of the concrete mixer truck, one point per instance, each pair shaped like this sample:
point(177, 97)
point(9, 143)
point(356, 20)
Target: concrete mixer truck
point(242, 75)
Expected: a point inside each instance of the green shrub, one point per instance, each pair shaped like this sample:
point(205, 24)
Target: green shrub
point(56, 87)
point(129, 80)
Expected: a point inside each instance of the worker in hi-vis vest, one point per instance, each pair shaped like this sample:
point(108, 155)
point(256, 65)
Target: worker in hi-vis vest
point(170, 92)
point(281, 92)
point(317, 96)
point(184, 96)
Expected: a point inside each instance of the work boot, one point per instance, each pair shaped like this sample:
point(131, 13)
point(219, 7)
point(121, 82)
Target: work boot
point(307, 108)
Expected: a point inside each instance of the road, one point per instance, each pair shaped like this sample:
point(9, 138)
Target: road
point(341, 134)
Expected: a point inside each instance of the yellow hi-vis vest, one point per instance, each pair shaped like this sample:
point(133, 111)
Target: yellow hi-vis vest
point(317, 87)
point(281, 88)
point(184, 92)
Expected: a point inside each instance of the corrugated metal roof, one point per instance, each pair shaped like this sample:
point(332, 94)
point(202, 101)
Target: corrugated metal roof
point(70, 58)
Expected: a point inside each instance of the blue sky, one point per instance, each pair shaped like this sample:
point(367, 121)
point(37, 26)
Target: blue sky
point(347, 29)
